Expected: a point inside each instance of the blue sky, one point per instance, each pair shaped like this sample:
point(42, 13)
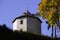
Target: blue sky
point(10, 9)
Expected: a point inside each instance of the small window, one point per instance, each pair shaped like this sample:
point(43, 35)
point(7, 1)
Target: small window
point(21, 22)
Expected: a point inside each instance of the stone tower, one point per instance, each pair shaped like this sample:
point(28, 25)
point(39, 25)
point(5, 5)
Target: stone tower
point(27, 22)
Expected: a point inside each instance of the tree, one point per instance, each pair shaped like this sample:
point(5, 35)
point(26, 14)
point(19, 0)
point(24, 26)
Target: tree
point(50, 10)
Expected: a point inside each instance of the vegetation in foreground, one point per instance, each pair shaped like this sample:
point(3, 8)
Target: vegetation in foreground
point(7, 34)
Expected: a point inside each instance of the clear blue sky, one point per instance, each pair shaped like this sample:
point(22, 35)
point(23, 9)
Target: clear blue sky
point(10, 9)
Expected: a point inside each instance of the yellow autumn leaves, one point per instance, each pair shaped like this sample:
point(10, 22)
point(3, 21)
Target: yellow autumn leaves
point(44, 2)
point(49, 10)
point(53, 3)
point(51, 17)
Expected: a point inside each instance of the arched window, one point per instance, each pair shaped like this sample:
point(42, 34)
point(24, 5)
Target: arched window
point(21, 22)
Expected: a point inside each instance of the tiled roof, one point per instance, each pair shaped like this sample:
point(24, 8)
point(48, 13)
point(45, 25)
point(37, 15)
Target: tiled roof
point(27, 14)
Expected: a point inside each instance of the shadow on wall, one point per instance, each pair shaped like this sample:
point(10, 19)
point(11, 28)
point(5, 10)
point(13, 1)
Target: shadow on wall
point(7, 34)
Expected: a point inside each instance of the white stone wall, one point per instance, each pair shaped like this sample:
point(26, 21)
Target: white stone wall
point(15, 25)
point(33, 25)
point(29, 24)
point(18, 26)
point(22, 26)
